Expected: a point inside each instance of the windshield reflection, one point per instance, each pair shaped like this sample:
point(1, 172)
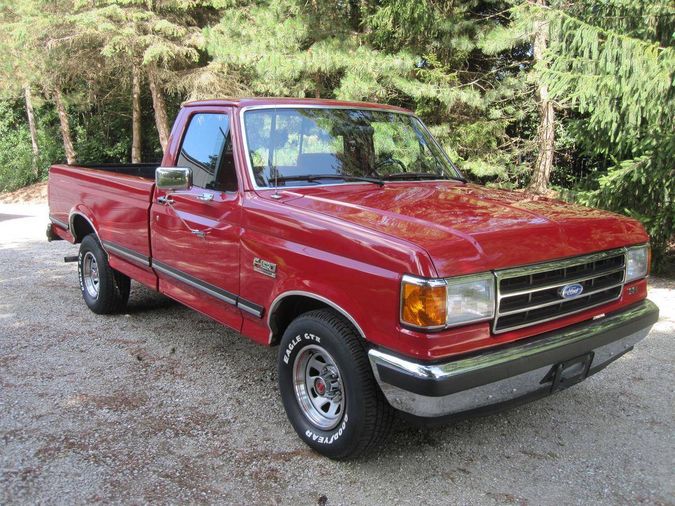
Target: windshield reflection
point(311, 146)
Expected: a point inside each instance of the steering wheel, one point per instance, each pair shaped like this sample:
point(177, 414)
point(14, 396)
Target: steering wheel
point(390, 161)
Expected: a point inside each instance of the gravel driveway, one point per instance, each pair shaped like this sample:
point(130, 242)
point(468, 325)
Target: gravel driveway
point(163, 405)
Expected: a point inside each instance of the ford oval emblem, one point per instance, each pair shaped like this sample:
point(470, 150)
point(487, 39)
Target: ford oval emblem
point(571, 291)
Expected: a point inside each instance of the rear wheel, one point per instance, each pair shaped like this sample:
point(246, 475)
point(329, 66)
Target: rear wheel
point(105, 290)
point(327, 387)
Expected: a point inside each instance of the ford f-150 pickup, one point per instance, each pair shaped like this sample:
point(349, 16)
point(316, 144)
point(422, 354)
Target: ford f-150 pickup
point(343, 234)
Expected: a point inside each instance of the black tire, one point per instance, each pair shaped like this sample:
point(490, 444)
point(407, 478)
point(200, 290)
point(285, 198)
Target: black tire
point(113, 287)
point(366, 416)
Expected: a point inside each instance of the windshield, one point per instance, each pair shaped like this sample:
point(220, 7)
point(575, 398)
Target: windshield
point(310, 146)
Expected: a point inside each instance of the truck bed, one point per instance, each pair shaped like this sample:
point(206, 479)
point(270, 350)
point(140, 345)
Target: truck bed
point(114, 199)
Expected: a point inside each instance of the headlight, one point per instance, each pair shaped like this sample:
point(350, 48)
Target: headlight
point(470, 299)
point(439, 303)
point(637, 262)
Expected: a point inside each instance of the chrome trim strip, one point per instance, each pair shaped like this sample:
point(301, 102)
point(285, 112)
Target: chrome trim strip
point(72, 230)
point(559, 301)
point(60, 223)
point(208, 288)
point(549, 266)
point(432, 282)
point(557, 264)
point(250, 307)
point(510, 387)
point(562, 315)
point(279, 298)
point(127, 253)
point(363, 107)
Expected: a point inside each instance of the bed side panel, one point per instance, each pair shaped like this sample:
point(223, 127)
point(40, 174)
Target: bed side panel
point(117, 206)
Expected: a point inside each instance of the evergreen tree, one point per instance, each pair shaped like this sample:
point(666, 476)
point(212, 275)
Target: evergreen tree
point(159, 39)
point(613, 63)
point(484, 74)
point(421, 55)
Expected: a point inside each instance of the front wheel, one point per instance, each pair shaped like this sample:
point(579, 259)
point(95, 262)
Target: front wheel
point(327, 387)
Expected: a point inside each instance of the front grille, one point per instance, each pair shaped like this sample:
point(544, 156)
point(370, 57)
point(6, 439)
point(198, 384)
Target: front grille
point(530, 295)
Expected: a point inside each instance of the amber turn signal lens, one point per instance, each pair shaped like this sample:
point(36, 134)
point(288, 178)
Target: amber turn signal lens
point(423, 305)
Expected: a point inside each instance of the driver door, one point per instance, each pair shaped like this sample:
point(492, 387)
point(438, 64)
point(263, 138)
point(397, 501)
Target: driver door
point(195, 233)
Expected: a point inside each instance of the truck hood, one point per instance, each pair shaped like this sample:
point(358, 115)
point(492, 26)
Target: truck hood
point(468, 228)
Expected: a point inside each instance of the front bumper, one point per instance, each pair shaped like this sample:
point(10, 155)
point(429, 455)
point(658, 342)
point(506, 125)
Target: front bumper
point(518, 371)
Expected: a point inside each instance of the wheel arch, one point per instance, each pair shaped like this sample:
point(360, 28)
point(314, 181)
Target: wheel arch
point(289, 305)
point(81, 226)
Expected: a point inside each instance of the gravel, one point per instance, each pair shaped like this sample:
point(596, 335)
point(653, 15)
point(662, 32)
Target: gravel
point(163, 405)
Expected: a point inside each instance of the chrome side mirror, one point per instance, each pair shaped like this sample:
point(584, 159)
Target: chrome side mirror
point(173, 178)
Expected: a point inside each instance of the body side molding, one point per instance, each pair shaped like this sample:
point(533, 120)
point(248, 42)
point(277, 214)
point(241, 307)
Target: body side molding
point(127, 253)
point(59, 223)
point(209, 289)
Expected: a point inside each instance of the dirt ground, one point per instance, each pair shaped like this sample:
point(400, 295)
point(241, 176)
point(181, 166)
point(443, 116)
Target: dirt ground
point(162, 405)
point(33, 194)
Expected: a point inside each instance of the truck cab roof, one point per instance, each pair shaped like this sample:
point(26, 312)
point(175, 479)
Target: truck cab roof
point(287, 102)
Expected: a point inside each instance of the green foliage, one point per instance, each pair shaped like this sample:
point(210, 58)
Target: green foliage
point(465, 67)
point(16, 155)
point(615, 73)
point(644, 190)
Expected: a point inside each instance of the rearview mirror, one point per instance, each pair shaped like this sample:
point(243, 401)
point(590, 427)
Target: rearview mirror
point(173, 178)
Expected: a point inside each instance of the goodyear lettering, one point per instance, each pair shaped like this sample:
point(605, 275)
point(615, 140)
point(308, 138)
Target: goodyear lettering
point(328, 440)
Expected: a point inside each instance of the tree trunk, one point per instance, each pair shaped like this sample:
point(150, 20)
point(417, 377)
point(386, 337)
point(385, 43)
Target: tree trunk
point(355, 14)
point(161, 118)
point(546, 131)
point(31, 126)
point(136, 115)
point(71, 156)
point(317, 90)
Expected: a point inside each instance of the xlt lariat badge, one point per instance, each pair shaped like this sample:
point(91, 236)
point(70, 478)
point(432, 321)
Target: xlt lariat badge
point(265, 267)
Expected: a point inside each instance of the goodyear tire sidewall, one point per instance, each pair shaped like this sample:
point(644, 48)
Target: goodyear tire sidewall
point(342, 437)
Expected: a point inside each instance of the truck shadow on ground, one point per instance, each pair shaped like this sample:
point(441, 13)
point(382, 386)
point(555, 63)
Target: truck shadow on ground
point(142, 300)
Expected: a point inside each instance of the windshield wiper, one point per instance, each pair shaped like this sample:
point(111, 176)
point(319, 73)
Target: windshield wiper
point(317, 177)
point(398, 176)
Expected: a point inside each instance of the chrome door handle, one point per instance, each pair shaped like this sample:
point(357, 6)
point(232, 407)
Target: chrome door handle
point(165, 199)
point(206, 197)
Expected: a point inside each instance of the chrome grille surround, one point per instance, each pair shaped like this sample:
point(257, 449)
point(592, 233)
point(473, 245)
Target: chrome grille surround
point(529, 295)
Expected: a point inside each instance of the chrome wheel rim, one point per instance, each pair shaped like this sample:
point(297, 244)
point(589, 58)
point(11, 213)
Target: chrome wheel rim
point(318, 387)
point(90, 275)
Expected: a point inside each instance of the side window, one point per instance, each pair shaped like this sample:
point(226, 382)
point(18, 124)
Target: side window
point(207, 150)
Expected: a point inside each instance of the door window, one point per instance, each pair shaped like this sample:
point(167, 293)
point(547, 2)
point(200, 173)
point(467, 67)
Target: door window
point(207, 150)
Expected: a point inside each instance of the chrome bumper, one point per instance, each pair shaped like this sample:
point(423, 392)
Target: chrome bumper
point(533, 368)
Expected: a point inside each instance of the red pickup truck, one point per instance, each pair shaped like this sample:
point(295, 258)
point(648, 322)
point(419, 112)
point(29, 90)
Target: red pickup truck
point(342, 233)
